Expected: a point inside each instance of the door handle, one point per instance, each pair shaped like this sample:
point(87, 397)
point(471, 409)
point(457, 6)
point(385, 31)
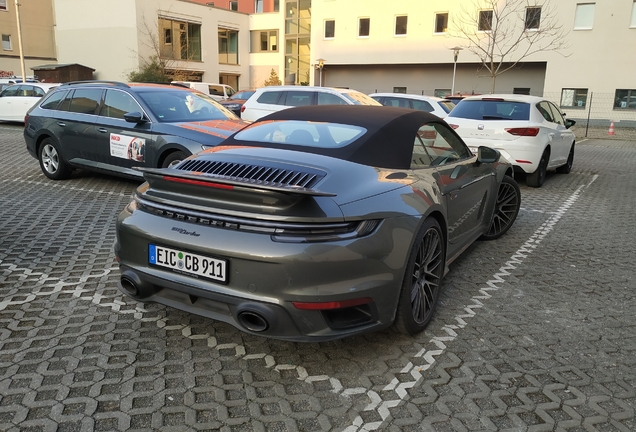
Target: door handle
point(102, 130)
point(61, 124)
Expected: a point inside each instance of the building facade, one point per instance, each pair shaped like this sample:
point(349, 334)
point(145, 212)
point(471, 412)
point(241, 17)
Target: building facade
point(38, 40)
point(197, 42)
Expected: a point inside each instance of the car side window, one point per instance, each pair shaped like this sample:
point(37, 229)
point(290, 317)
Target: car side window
point(544, 109)
point(117, 103)
point(556, 114)
point(10, 91)
point(436, 145)
point(396, 102)
point(422, 105)
point(330, 99)
point(25, 91)
point(86, 101)
point(298, 98)
point(38, 92)
point(270, 97)
point(53, 100)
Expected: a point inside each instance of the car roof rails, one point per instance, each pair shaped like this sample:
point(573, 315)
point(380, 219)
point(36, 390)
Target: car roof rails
point(97, 82)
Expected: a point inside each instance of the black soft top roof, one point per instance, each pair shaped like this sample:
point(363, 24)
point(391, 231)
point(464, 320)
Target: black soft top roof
point(388, 142)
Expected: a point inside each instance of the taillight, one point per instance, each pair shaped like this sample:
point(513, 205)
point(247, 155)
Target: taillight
point(26, 119)
point(527, 131)
point(453, 126)
point(332, 305)
point(242, 108)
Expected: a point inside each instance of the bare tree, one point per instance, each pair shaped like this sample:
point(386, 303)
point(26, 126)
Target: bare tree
point(503, 33)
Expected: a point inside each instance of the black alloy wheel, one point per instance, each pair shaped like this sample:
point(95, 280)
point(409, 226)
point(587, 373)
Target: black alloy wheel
point(537, 178)
point(424, 272)
point(565, 169)
point(506, 209)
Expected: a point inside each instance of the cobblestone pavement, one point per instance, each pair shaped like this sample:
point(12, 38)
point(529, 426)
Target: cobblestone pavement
point(535, 331)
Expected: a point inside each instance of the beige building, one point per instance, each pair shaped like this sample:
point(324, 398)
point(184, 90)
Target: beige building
point(198, 42)
point(38, 40)
point(406, 46)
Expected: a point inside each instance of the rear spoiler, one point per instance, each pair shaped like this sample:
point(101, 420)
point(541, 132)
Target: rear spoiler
point(223, 182)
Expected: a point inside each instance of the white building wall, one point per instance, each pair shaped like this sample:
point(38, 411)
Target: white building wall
point(98, 34)
point(119, 38)
point(261, 64)
point(601, 60)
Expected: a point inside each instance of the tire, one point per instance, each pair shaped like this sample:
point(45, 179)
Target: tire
point(51, 161)
point(537, 178)
point(565, 169)
point(420, 289)
point(174, 158)
point(506, 209)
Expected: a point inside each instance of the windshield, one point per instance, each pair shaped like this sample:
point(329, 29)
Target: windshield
point(171, 106)
point(304, 133)
point(358, 98)
point(497, 109)
point(243, 94)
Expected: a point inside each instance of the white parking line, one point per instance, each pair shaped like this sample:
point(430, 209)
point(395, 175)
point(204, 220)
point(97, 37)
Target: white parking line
point(438, 343)
point(65, 186)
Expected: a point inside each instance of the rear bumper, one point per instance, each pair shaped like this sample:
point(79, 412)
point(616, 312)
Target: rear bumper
point(265, 277)
point(521, 154)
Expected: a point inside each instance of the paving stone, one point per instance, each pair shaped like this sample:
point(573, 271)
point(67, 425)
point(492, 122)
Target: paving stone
point(535, 331)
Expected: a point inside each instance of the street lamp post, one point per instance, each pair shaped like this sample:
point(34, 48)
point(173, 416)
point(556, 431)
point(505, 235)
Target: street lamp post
point(456, 51)
point(320, 65)
point(17, 17)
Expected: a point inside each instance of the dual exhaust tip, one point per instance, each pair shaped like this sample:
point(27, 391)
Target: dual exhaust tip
point(250, 320)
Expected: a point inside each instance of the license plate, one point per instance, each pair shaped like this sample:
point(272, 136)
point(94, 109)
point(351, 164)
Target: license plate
point(188, 263)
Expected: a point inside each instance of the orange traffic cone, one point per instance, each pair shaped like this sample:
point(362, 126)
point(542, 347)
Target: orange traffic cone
point(611, 129)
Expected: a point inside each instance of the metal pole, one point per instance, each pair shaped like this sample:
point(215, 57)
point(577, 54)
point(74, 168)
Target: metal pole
point(588, 114)
point(454, 71)
point(17, 16)
point(320, 76)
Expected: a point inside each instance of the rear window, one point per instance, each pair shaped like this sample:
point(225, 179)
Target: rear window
point(303, 133)
point(492, 110)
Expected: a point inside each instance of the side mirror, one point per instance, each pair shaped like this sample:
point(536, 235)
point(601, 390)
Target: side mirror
point(569, 123)
point(134, 117)
point(487, 155)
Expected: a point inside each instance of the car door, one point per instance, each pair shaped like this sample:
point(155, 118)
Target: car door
point(464, 184)
point(553, 132)
point(8, 100)
point(75, 117)
point(122, 144)
point(16, 100)
point(566, 136)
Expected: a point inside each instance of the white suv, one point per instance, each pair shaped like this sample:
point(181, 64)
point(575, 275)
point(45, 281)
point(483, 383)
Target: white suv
point(270, 99)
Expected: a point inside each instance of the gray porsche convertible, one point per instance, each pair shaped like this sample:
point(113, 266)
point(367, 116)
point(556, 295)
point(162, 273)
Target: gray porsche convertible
point(315, 223)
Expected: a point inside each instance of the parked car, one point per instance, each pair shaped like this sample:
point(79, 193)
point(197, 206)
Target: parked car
point(236, 101)
point(6, 82)
point(270, 99)
point(112, 127)
point(217, 92)
point(531, 132)
point(438, 106)
point(17, 99)
point(315, 223)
